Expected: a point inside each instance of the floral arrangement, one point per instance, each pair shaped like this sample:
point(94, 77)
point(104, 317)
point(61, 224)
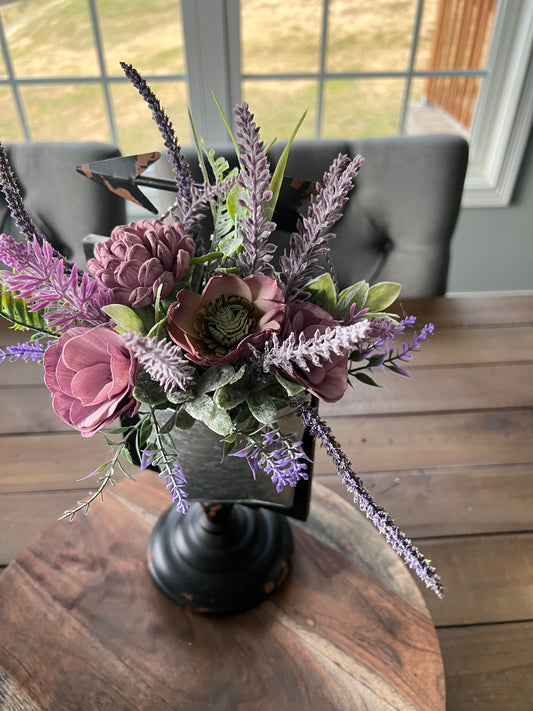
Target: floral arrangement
point(160, 321)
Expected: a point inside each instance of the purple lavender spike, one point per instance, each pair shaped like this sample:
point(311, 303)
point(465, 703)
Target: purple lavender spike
point(383, 522)
point(179, 165)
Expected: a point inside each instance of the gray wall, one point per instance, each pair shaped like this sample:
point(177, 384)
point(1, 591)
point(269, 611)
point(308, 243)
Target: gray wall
point(492, 248)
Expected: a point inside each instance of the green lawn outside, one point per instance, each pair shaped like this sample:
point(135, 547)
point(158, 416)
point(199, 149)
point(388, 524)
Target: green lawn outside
point(51, 38)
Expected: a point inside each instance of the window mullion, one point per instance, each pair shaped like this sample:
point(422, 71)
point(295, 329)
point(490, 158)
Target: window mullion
point(212, 51)
point(411, 64)
point(13, 83)
point(103, 71)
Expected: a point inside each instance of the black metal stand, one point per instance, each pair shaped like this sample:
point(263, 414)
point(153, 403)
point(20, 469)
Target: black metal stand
point(220, 558)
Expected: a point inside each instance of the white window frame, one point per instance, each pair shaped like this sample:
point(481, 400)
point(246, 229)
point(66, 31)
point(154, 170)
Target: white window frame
point(503, 114)
point(211, 28)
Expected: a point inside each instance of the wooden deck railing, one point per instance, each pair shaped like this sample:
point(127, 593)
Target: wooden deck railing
point(461, 41)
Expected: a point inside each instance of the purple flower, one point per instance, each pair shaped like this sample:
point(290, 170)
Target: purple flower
point(139, 258)
point(231, 313)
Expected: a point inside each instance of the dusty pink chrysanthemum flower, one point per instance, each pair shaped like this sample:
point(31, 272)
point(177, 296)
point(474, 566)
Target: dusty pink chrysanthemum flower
point(140, 257)
point(231, 313)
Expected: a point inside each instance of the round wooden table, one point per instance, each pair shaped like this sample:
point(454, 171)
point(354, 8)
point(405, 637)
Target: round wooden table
point(83, 626)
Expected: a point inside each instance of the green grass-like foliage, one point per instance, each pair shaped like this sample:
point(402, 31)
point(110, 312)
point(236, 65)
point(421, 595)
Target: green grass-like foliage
point(16, 310)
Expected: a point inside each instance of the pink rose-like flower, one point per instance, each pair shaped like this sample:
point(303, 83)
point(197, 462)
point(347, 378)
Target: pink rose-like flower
point(140, 257)
point(231, 313)
point(329, 380)
point(90, 373)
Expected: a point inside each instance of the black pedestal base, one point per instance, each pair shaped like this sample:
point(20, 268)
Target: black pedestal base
point(221, 558)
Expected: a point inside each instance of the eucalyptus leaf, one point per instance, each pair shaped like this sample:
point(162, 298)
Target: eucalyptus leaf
point(322, 291)
point(263, 408)
point(183, 421)
point(201, 408)
point(231, 395)
point(214, 378)
point(382, 295)
point(125, 318)
point(221, 423)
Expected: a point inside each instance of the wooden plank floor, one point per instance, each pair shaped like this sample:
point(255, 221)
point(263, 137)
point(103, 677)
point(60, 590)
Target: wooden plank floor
point(448, 453)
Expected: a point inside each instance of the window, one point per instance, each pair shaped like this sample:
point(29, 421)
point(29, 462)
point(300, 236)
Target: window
point(361, 67)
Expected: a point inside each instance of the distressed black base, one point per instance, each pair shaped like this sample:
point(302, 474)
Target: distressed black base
point(220, 558)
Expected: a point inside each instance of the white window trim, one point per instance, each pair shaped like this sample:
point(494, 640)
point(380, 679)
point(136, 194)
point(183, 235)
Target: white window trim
point(504, 111)
point(503, 115)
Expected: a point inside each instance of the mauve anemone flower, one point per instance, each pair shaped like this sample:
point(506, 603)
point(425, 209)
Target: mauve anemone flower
point(90, 373)
point(231, 313)
point(140, 257)
point(329, 380)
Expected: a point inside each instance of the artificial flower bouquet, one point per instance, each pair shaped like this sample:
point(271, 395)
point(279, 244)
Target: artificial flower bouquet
point(224, 333)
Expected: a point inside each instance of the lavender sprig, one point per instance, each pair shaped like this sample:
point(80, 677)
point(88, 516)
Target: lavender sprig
point(338, 340)
point(176, 483)
point(29, 351)
point(179, 166)
point(383, 522)
point(14, 200)
point(164, 361)
point(310, 241)
point(41, 278)
point(16, 207)
point(254, 180)
point(380, 352)
point(277, 455)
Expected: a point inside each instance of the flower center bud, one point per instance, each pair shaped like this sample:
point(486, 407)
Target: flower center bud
point(222, 324)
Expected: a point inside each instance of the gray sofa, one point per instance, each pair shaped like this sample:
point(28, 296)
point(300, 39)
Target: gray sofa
point(64, 205)
point(400, 219)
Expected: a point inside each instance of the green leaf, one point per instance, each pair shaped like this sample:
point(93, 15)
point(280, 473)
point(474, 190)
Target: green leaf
point(366, 379)
point(201, 408)
point(382, 295)
point(125, 318)
point(355, 294)
point(322, 291)
point(230, 243)
point(214, 378)
point(279, 172)
point(227, 125)
point(16, 310)
point(183, 420)
point(231, 395)
point(291, 386)
point(263, 408)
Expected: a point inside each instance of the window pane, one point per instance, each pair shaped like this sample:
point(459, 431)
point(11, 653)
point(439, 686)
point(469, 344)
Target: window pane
point(137, 132)
point(49, 38)
point(10, 128)
point(66, 112)
point(369, 35)
point(146, 34)
point(442, 105)
point(455, 34)
point(278, 105)
point(279, 36)
point(361, 107)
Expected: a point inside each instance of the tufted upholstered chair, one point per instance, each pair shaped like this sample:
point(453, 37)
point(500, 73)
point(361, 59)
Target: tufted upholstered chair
point(64, 205)
point(399, 221)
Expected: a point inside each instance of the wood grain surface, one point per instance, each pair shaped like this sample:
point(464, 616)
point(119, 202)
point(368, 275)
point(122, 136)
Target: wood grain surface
point(449, 453)
point(84, 626)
